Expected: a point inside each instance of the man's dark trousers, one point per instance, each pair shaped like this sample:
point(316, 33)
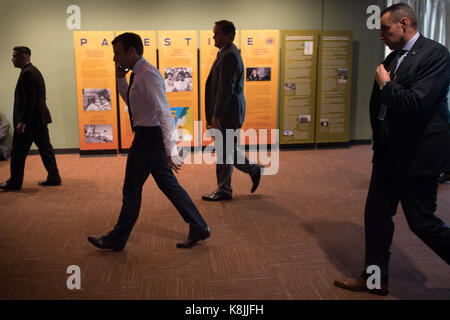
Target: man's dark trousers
point(147, 156)
point(22, 144)
point(418, 197)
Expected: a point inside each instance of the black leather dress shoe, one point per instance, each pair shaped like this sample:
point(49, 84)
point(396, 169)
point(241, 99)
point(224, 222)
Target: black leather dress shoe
point(216, 196)
point(256, 177)
point(7, 187)
point(105, 242)
point(193, 238)
point(444, 178)
point(48, 183)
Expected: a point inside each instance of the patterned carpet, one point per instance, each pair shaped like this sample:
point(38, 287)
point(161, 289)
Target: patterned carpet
point(302, 229)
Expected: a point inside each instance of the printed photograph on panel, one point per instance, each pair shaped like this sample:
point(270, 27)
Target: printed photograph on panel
point(290, 86)
point(98, 133)
point(309, 47)
point(304, 118)
point(324, 122)
point(258, 74)
point(96, 99)
point(342, 75)
point(178, 79)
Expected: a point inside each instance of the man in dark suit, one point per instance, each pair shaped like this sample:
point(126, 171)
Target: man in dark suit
point(31, 117)
point(225, 110)
point(411, 142)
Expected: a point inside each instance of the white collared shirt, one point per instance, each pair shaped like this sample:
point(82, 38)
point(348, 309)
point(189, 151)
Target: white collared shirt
point(148, 101)
point(407, 46)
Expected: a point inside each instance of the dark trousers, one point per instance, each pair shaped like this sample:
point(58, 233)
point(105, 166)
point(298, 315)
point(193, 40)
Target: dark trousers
point(230, 156)
point(20, 147)
point(418, 196)
point(148, 156)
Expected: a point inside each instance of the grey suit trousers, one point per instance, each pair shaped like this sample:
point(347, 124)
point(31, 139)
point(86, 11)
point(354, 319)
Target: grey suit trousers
point(229, 155)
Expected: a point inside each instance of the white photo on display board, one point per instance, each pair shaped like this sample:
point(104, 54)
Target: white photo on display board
point(96, 99)
point(178, 79)
point(309, 46)
point(98, 133)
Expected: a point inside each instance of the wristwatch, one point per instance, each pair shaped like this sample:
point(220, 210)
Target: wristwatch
point(383, 84)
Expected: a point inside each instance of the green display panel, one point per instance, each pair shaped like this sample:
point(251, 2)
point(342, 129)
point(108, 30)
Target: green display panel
point(298, 86)
point(333, 87)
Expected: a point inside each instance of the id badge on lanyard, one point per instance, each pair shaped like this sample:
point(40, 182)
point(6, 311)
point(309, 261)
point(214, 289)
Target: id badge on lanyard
point(383, 108)
point(382, 112)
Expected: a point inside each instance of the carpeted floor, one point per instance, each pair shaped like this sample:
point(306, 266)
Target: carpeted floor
point(301, 229)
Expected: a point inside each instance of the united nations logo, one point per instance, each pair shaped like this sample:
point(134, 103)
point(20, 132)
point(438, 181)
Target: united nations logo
point(270, 41)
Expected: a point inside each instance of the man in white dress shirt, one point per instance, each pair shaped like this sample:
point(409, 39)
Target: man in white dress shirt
point(153, 150)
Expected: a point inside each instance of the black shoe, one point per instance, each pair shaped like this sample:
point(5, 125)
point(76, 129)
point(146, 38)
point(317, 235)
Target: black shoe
point(194, 237)
point(256, 177)
point(216, 196)
point(8, 187)
point(50, 182)
point(105, 242)
point(444, 178)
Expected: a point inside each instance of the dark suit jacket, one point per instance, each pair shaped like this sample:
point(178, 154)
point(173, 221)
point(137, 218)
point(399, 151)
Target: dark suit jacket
point(29, 99)
point(224, 91)
point(417, 117)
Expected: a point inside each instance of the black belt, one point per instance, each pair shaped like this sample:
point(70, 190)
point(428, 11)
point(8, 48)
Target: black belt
point(146, 129)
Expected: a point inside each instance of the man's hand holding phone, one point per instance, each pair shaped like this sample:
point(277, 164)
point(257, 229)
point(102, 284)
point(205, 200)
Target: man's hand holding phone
point(121, 71)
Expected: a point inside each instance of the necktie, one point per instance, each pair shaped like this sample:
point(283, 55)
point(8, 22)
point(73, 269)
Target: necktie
point(392, 69)
point(393, 66)
point(128, 100)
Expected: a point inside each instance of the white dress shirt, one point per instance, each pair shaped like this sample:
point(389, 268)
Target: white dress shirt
point(148, 102)
point(407, 46)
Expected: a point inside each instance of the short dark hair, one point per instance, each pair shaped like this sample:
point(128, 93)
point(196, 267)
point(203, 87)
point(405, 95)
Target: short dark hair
point(128, 40)
point(401, 10)
point(22, 49)
point(227, 27)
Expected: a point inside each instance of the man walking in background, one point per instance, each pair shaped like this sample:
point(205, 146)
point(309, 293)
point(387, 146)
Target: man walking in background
point(31, 117)
point(225, 109)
